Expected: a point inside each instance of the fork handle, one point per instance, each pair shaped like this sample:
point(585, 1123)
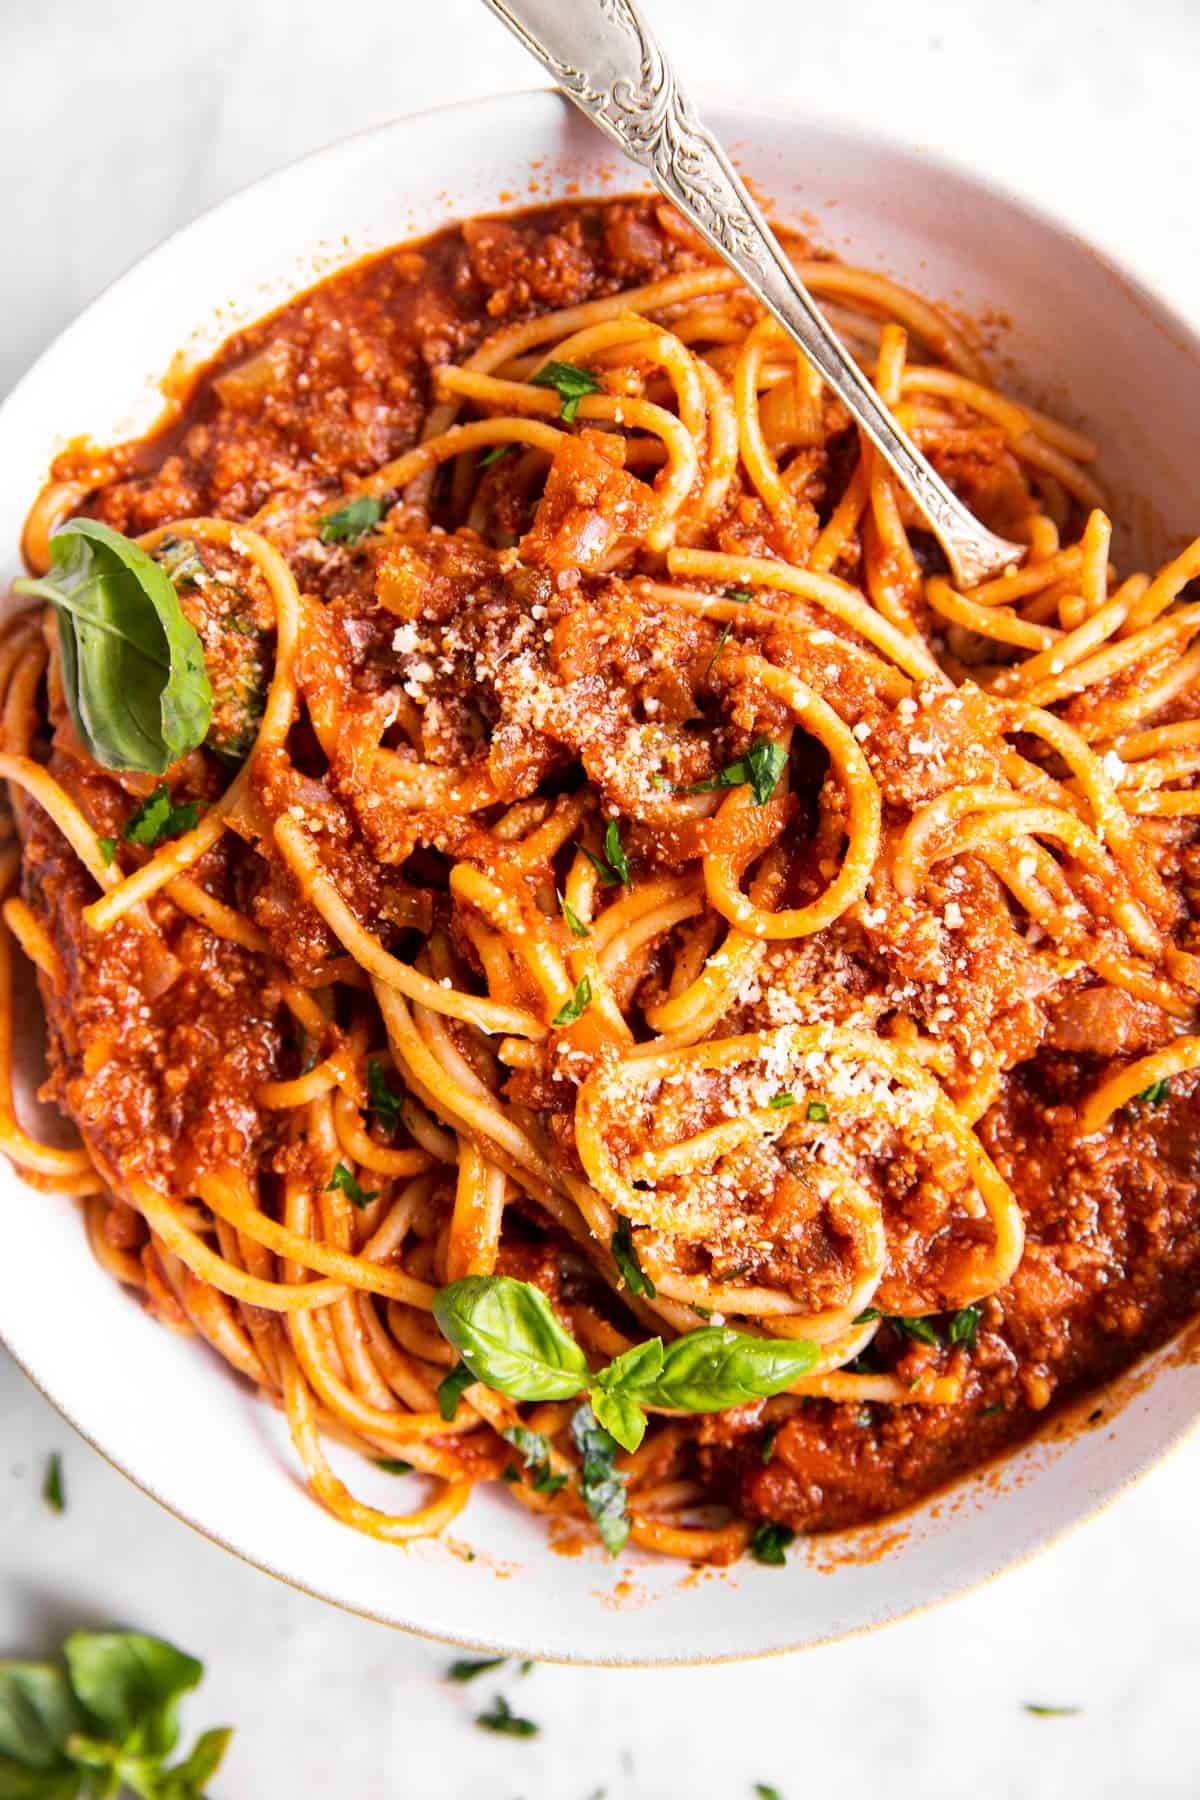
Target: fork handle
point(605, 57)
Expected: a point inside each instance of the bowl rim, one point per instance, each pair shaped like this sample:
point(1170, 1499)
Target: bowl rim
point(894, 147)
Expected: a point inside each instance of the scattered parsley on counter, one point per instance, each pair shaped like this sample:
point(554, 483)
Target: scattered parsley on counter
point(502, 1719)
point(52, 1489)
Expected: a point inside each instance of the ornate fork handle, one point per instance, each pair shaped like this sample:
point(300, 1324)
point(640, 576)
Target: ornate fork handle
point(604, 56)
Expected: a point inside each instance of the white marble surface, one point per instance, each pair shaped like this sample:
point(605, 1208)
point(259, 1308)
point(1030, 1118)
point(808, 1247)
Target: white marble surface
point(116, 124)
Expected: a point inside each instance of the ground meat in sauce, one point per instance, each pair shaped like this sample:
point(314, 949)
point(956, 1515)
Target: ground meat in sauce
point(524, 678)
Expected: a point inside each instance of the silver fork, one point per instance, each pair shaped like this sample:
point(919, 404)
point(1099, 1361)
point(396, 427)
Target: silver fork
point(605, 57)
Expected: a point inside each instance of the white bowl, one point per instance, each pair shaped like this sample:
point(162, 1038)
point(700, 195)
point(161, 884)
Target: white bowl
point(1085, 338)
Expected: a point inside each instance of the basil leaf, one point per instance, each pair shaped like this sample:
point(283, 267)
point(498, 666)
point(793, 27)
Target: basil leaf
point(621, 1417)
point(964, 1325)
point(107, 846)
point(764, 1791)
point(343, 1182)
point(923, 1330)
point(133, 670)
point(624, 1254)
point(38, 1713)
point(769, 1543)
point(501, 1718)
point(52, 1486)
point(614, 852)
point(575, 924)
point(534, 1450)
point(716, 1367)
point(760, 769)
point(867, 1314)
point(133, 1685)
point(570, 382)
point(351, 522)
point(602, 1489)
point(817, 1113)
point(186, 1779)
point(741, 595)
point(768, 1444)
point(385, 1102)
point(1155, 1094)
point(451, 1390)
point(393, 1465)
point(575, 1009)
point(468, 1667)
point(507, 1334)
point(158, 818)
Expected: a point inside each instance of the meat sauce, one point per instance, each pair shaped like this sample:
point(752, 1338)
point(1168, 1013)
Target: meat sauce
point(163, 1039)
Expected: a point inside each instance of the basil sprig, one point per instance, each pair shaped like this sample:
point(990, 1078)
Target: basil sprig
point(506, 1333)
point(132, 667)
point(106, 1723)
point(571, 383)
point(760, 769)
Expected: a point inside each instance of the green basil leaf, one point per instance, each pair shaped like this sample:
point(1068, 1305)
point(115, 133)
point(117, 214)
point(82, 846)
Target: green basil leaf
point(764, 1791)
point(575, 1008)
point(570, 382)
point(624, 1254)
point(107, 846)
point(501, 1718)
point(575, 924)
point(921, 1330)
point(507, 1334)
point(615, 855)
point(385, 1102)
point(637, 1367)
point(621, 1417)
point(52, 1485)
point(866, 1316)
point(343, 1182)
point(133, 1685)
point(1155, 1094)
point(132, 667)
point(741, 595)
point(393, 1465)
point(468, 1667)
point(769, 1543)
point(351, 522)
point(535, 1453)
point(601, 1488)
point(186, 1780)
point(158, 818)
point(38, 1713)
point(451, 1390)
point(716, 1367)
point(768, 1444)
point(18, 1783)
point(964, 1325)
point(760, 769)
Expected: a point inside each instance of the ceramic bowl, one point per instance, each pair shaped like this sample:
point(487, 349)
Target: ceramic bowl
point(1069, 330)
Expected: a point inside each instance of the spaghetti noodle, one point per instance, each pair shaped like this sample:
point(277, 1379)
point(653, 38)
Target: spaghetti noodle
point(621, 860)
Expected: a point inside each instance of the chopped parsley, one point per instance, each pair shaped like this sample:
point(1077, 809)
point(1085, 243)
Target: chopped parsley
point(501, 1718)
point(817, 1113)
point(158, 819)
point(344, 1183)
point(107, 847)
point(575, 924)
point(468, 1667)
point(494, 455)
point(393, 1465)
point(760, 769)
point(768, 1444)
point(924, 1331)
point(721, 643)
point(451, 1390)
point(52, 1486)
point(989, 1412)
point(614, 854)
point(742, 595)
point(764, 1791)
point(385, 1102)
point(777, 1102)
point(964, 1325)
point(769, 1543)
point(351, 522)
point(535, 1454)
point(602, 1489)
point(624, 1253)
point(576, 1007)
point(1155, 1094)
point(1052, 1712)
point(570, 383)
point(867, 1315)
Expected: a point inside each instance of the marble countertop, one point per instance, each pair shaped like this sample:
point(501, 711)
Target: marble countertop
point(110, 136)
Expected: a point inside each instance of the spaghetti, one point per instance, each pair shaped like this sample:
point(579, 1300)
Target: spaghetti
point(620, 860)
